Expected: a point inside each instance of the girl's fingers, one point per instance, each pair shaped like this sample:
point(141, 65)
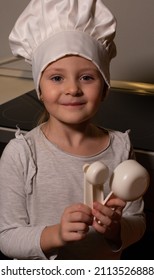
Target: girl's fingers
point(101, 218)
point(103, 209)
point(116, 202)
point(78, 208)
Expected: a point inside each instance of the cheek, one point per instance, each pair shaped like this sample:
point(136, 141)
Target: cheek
point(48, 100)
point(45, 88)
point(47, 94)
point(96, 94)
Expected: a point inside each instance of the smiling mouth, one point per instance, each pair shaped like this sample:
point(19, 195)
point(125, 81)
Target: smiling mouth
point(73, 104)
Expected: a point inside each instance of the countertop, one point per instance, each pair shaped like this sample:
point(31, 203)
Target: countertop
point(15, 78)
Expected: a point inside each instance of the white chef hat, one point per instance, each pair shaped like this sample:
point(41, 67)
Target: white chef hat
point(51, 29)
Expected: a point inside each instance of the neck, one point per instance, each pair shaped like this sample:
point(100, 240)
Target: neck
point(71, 135)
point(84, 139)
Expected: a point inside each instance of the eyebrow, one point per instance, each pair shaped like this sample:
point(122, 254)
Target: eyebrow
point(55, 69)
point(59, 69)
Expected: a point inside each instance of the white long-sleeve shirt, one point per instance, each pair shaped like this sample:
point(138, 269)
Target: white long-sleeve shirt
point(38, 180)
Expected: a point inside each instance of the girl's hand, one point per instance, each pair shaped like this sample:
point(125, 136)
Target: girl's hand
point(75, 222)
point(107, 218)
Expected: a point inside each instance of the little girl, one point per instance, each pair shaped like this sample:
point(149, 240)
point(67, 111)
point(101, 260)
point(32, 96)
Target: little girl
point(42, 212)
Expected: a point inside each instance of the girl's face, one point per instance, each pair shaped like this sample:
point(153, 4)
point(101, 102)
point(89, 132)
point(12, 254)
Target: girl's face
point(71, 89)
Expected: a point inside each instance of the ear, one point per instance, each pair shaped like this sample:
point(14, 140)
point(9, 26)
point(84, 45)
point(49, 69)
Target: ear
point(41, 99)
point(104, 91)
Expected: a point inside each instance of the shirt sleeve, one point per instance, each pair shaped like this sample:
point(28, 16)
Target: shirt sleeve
point(18, 239)
point(133, 223)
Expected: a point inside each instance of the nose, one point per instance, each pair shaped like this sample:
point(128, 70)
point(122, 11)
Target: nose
point(73, 88)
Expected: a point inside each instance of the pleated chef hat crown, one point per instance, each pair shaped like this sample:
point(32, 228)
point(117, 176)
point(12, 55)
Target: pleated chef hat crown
point(51, 29)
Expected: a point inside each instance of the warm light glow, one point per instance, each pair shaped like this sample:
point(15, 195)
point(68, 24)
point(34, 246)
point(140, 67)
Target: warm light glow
point(134, 87)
